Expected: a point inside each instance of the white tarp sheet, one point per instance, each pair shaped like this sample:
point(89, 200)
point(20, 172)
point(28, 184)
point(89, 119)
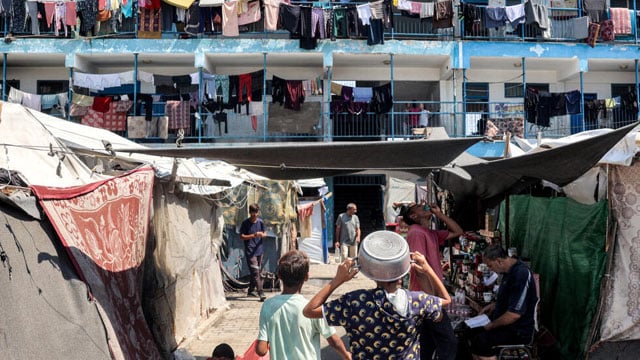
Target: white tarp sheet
point(31, 149)
point(187, 270)
point(312, 245)
point(93, 139)
point(397, 191)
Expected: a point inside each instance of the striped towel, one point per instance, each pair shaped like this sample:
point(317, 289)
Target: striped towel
point(621, 20)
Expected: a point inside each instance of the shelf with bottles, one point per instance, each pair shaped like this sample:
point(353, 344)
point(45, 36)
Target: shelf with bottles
point(467, 271)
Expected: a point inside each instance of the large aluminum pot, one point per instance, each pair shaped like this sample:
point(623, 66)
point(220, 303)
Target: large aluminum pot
point(384, 256)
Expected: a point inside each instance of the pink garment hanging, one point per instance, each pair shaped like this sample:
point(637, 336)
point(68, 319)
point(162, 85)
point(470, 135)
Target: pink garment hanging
point(230, 19)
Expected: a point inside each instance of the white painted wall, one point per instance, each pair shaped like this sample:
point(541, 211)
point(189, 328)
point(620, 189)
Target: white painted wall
point(29, 76)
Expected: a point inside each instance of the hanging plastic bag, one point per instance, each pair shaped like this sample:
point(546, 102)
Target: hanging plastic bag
point(250, 354)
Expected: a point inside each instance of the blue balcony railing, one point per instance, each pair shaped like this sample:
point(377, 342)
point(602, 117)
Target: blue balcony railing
point(406, 26)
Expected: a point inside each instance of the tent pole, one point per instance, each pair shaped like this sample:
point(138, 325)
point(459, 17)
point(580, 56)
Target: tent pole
point(506, 222)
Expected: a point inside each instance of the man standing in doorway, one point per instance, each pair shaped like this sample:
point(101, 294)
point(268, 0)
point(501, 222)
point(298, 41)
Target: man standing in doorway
point(252, 230)
point(435, 337)
point(348, 232)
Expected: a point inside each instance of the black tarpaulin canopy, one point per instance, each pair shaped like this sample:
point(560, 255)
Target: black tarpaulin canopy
point(560, 165)
point(288, 161)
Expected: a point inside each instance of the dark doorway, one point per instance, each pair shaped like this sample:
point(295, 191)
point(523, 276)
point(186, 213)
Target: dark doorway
point(366, 191)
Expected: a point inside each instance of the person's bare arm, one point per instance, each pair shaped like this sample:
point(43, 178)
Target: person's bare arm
point(428, 279)
point(358, 234)
point(455, 230)
point(336, 343)
point(252, 236)
point(262, 348)
point(313, 309)
point(337, 235)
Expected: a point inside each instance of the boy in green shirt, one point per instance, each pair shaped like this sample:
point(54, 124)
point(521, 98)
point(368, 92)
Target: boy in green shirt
point(284, 332)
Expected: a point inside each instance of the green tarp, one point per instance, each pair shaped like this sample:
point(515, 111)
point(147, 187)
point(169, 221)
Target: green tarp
point(565, 242)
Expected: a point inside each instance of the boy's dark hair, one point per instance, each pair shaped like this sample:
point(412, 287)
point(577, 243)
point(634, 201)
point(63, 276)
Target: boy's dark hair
point(494, 252)
point(293, 268)
point(253, 208)
point(405, 212)
point(223, 350)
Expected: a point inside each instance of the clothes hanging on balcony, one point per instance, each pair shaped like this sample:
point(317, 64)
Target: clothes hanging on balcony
point(595, 9)
point(318, 23)
point(289, 18)
point(251, 15)
point(193, 26)
point(294, 97)
point(87, 12)
point(382, 100)
point(234, 88)
point(307, 41)
point(101, 103)
point(376, 23)
point(540, 106)
point(621, 18)
point(516, 14)
point(607, 32)
point(219, 118)
point(427, 10)
point(592, 111)
point(113, 119)
point(537, 14)
point(364, 13)
point(230, 18)
point(362, 94)
point(278, 89)
point(143, 100)
point(581, 28)
point(594, 32)
point(473, 20)
point(257, 85)
point(179, 114)
point(149, 24)
point(443, 15)
point(271, 13)
point(495, 16)
point(573, 99)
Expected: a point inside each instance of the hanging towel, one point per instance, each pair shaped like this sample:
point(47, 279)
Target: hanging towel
point(621, 18)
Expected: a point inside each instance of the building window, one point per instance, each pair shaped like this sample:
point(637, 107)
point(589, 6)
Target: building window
point(49, 87)
point(477, 97)
point(11, 84)
point(622, 89)
point(514, 90)
point(624, 4)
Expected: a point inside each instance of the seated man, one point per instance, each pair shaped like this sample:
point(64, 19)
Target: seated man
point(513, 313)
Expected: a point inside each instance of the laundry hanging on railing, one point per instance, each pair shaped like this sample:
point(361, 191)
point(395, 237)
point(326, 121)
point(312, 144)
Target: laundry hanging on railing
point(288, 93)
point(39, 102)
point(357, 100)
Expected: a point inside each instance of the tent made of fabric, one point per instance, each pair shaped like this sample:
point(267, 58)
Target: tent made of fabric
point(45, 312)
point(565, 241)
point(621, 300)
point(313, 234)
point(560, 166)
point(197, 176)
point(185, 285)
point(31, 149)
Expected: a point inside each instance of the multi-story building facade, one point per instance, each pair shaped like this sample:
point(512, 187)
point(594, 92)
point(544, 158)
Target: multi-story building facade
point(556, 67)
